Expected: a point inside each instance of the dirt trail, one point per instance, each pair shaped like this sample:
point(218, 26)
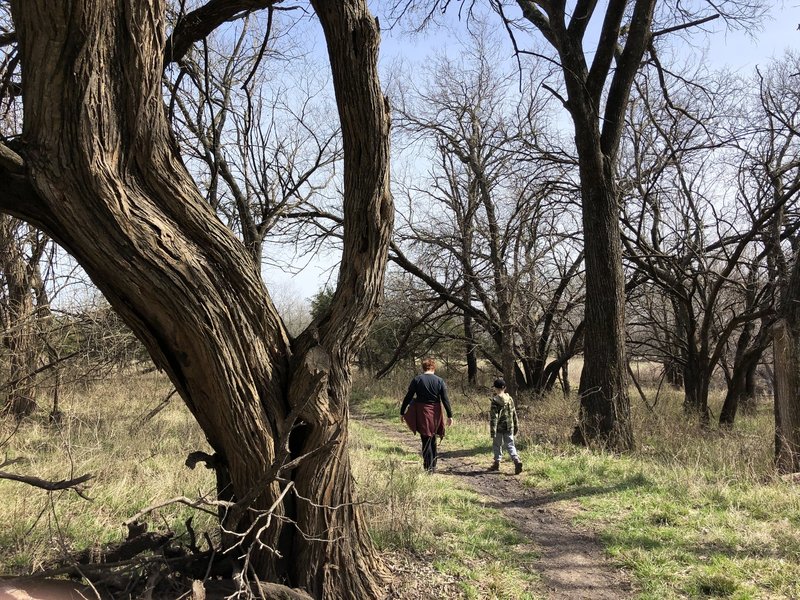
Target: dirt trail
point(572, 562)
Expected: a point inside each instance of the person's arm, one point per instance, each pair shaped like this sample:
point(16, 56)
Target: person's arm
point(445, 400)
point(494, 416)
point(515, 427)
point(409, 397)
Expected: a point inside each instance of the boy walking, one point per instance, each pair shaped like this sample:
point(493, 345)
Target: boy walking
point(503, 426)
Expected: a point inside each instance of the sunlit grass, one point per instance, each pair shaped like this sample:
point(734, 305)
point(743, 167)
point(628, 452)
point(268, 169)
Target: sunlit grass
point(134, 464)
point(691, 513)
point(429, 516)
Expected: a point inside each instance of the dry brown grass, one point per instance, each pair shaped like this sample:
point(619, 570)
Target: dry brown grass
point(134, 464)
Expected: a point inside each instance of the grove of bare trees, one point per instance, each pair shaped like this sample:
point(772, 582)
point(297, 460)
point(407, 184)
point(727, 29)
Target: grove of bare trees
point(565, 184)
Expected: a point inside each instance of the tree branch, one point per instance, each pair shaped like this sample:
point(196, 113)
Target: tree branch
point(681, 26)
point(50, 486)
point(199, 23)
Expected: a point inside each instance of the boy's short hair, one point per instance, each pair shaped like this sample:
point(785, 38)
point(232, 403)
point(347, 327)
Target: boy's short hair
point(428, 364)
point(499, 383)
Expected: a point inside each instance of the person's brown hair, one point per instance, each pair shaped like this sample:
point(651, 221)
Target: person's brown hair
point(428, 364)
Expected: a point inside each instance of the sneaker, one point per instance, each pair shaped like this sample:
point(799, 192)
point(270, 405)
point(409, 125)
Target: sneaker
point(495, 466)
point(517, 467)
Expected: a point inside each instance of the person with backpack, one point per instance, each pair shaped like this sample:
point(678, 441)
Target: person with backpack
point(503, 426)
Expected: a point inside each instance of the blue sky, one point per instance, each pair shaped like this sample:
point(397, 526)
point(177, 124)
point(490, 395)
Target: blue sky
point(745, 50)
point(739, 51)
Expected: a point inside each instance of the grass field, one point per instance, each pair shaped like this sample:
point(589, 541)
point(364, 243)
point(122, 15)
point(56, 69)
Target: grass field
point(690, 513)
point(135, 463)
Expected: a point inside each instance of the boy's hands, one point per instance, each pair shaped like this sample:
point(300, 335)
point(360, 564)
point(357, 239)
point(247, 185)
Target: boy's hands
point(449, 421)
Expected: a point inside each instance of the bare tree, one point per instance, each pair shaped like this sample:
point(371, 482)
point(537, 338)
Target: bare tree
point(21, 247)
point(487, 228)
point(686, 232)
point(595, 93)
point(98, 169)
point(776, 166)
point(256, 138)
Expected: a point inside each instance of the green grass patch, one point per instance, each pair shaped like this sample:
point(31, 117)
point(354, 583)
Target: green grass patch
point(429, 516)
point(691, 513)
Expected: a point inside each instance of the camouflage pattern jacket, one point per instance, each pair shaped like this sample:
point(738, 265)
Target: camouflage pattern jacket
point(503, 415)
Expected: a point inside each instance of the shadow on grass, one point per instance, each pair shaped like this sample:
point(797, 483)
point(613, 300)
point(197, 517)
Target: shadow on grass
point(391, 450)
point(540, 499)
point(465, 452)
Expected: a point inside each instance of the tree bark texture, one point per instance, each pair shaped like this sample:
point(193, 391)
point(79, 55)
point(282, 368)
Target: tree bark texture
point(20, 324)
point(471, 350)
point(696, 382)
point(786, 347)
point(604, 416)
point(596, 98)
point(111, 188)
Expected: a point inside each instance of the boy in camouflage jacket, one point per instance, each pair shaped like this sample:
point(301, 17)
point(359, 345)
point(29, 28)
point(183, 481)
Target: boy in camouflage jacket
point(503, 426)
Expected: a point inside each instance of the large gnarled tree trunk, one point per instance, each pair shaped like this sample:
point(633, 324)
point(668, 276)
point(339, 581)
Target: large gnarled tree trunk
point(108, 184)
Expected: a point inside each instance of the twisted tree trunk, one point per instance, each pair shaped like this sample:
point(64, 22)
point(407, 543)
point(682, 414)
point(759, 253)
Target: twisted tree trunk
point(108, 184)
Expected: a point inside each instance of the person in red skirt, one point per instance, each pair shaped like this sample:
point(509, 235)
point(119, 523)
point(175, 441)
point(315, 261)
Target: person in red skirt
point(422, 410)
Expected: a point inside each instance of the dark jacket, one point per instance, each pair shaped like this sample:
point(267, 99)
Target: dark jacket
point(425, 419)
point(427, 388)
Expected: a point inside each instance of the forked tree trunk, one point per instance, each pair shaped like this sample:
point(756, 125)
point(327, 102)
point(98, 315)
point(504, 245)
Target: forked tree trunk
point(110, 187)
point(596, 98)
point(741, 387)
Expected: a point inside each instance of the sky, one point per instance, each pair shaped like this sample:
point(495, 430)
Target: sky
point(739, 51)
point(743, 51)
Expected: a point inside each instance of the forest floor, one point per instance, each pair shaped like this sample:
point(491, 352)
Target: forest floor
point(691, 513)
point(571, 561)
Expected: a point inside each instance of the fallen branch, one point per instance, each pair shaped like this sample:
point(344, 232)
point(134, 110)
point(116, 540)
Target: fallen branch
point(122, 551)
point(161, 406)
point(50, 486)
point(198, 503)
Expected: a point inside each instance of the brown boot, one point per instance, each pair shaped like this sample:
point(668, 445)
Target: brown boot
point(517, 467)
point(495, 466)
